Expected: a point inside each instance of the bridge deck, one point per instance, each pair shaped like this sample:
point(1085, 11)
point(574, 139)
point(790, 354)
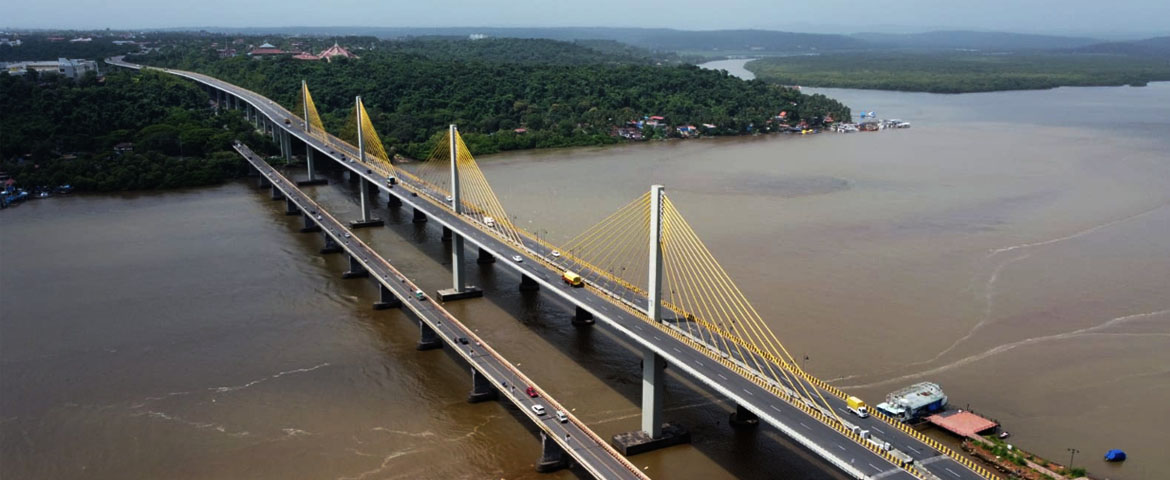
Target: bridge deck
point(724, 375)
point(575, 438)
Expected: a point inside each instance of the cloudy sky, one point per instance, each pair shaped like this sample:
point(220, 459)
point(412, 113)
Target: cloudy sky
point(829, 16)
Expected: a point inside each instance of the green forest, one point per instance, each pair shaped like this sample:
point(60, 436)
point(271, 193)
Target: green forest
point(491, 88)
point(60, 131)
point(960, 72)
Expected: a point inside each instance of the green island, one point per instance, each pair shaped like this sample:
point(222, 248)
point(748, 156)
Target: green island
point(960, 72)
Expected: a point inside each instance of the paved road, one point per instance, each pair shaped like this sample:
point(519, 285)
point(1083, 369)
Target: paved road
point(590, 451)
point(725, 375)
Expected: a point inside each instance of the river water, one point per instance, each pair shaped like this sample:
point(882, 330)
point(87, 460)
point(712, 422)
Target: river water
point(1013, 247)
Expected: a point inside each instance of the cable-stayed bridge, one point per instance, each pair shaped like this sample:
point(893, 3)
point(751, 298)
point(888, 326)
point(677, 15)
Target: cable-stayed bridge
point(642, 271)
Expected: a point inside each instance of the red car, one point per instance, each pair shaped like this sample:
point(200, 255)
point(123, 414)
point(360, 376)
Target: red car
point(531, 392)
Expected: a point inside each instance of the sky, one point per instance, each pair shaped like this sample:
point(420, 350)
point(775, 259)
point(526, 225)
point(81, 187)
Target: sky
point(1114, 17)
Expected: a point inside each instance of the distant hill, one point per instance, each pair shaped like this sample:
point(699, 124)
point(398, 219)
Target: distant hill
point(658, 39)
point(960, 39)
point(1157, 47)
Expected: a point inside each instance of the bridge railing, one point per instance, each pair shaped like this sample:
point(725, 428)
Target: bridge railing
point(336, 142)
point(479, 343)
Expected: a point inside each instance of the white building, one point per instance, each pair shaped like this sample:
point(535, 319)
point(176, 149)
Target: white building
point(69, 67)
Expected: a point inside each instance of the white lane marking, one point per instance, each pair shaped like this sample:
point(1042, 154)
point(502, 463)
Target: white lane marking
point(775, 408)
point(915, 449)
point(805, 426)
point(877, 430)
point(747, 392)
point(875, 467)
point(839, 446)
point(698, 363)
point(676, 349)
point(721, 376)
point(952, 472)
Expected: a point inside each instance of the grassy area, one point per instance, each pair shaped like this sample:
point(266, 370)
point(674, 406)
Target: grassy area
point(960, 72)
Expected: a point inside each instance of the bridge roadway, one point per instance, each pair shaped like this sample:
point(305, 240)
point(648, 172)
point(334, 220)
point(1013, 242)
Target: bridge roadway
point(594, 454)
point(603, 301)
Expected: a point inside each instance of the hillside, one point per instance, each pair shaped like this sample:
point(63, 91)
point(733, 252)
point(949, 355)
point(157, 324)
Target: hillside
point(1158, 47)
point(501, 97)
point(962, 39)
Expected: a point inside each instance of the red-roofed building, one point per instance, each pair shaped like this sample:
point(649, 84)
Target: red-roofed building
point(306, 56)
point(335, 51)
point(267, 49)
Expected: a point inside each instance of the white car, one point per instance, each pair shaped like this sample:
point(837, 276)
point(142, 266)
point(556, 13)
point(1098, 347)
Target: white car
point(538, 409)
point(561, 417)
point(518, 258)
point(556, 253)
point(347, 235)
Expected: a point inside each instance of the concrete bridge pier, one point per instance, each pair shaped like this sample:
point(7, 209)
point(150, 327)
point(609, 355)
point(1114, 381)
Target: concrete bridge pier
point(367, 220)
point(743, 417)
point(427, 338)
point(527, 284)
point(291, 208)
point(356, 270)
point(446, 235)
point(330, 245)
point(459, 287)
point(310, 224)
point(386, 299)
point(313, 179)
point(654, 434)
point(276, 193)
point(552, 456)
point(393, 201)
point(482, 389)
point(485, 257)
point(419, 216)
point(261, 181)
point(583, 318)
point(286, 145)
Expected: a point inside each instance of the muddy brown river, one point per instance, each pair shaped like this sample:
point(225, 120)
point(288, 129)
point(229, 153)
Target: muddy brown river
point(1013, 247)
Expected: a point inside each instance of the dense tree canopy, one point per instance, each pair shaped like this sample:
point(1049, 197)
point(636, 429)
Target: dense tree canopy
point(492, 88)
point(57, 131)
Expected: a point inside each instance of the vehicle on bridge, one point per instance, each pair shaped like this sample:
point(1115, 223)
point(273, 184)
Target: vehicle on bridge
point(857, 406)
point(531, 392)
point(572, 279)
point(419, 294)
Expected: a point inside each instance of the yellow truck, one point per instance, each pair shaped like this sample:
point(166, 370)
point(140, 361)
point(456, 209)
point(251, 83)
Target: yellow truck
point(572, 279)
point(857, 406)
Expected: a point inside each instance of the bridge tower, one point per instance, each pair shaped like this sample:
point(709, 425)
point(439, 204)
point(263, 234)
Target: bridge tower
point(459, 288)
point(364, 185)
point(654, 433)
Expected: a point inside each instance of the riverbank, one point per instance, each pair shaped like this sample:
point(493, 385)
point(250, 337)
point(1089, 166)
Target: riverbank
point(963, 72)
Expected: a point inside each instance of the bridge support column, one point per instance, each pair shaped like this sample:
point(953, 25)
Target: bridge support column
point(330, 245)
point(261, 181)
point(276, 193)
point(446, 234)
point(367, 220)
point(743, 417)
point(583, 318)
point(386, 299)
point(527, 284)
point(459, 288)
point(290, 208)
point(393, 201)
point(427, 338)
point(313, 179)
point(419, 216)
point(552, 456)
point(653, 435)
point(356, 270)
point(482, 389)
point(310, 224)
point(485, 257)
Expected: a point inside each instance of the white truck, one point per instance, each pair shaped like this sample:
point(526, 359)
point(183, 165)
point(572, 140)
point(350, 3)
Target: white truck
point(857, 406)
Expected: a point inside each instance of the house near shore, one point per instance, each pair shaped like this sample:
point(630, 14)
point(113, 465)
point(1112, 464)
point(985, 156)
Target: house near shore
point(328, 54)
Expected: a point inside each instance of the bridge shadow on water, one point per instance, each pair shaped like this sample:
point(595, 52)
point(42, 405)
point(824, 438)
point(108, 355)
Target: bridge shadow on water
point(762, 452)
